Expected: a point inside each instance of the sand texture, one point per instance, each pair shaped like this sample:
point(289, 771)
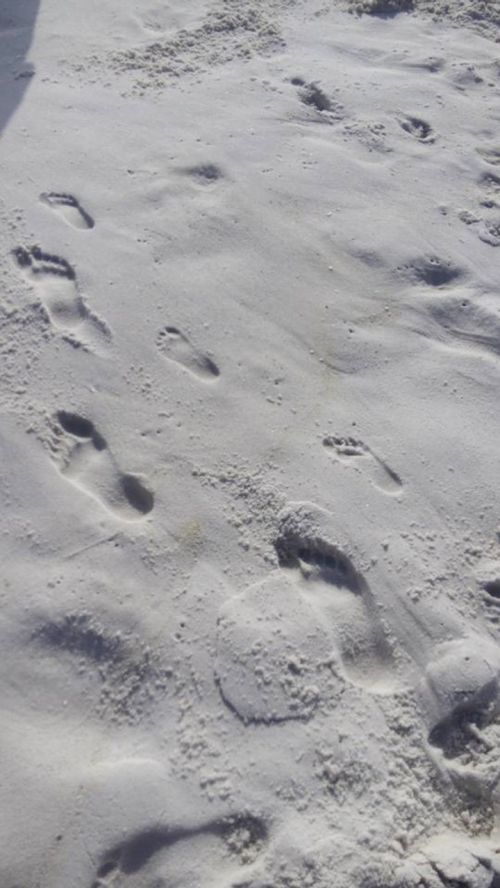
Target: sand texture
point(250, 376)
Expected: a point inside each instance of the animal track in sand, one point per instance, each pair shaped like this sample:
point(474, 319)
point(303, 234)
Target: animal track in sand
point(354, 452)
point(55, 281)
point(173, 345)
point(419, 129)
point(69, 208)
point(334, 587)
point(85, 459)
point(235, 840)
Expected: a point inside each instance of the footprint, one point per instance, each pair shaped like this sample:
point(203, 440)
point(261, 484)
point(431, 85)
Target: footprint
point(130, 676)
point(432, 270)
point(487, 577)
point(475, 321)
point(205, 173)
point(85, 459)
point(313, 96)
point(55, 281)
point(489, 232)
point(491, 154)
point(186, 856)
point(462, 701)
point(419, 129)
point(382, 8)
point(173, 345)
point(354, 452)
point(331, 584)
point(69, 208)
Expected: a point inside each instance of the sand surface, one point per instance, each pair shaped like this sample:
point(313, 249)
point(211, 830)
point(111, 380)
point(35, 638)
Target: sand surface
point(250, 370)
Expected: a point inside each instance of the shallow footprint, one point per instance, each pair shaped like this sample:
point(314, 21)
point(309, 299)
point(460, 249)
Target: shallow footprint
point(69, 208)
point(55, 280)
point(176, 347)
point(476, 322)
point(85, 459)
point(353, 451)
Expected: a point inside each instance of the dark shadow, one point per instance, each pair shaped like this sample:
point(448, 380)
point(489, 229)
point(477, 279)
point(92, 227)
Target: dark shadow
point(17, 24)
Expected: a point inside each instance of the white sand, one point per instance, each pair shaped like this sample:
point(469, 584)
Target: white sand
point(250, 358)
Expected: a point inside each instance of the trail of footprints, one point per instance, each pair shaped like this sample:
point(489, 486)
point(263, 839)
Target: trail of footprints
point(267, 674)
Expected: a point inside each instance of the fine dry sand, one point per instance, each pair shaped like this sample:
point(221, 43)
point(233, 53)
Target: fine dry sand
point(250, 364)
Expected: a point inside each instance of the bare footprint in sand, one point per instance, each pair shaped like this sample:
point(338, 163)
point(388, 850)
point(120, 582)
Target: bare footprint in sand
point(186, 856)
point(287, 646)
point(84, 459)
point(69, 208)
point(418, 128)
point(331, 584)
point(176, 347)
point(354, 452)
point(55, 281)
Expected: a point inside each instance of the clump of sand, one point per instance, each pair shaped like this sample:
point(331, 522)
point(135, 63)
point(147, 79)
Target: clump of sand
point(483, 16)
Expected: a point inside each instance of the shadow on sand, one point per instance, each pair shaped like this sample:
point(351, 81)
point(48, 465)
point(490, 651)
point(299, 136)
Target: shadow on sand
point(17, 24)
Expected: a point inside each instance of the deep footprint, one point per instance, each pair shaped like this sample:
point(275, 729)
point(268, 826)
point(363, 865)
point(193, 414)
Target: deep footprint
point(353, 451)
point(432, 271)
point(85, 460)
point(55, 281)
point(333, 586)
point(69, 208)
point(462, 694)
point(176, 347)
point(311, 95)
point(419, 129)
